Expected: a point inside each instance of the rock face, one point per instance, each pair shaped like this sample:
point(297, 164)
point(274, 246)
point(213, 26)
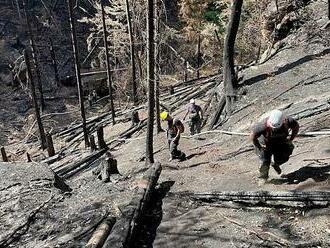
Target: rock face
point(24, 188)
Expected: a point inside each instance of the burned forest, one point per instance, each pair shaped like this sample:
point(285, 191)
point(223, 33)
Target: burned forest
point(174, 123)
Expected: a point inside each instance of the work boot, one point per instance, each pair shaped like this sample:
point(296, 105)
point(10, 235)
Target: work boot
point(263, 170)
point(277, 168)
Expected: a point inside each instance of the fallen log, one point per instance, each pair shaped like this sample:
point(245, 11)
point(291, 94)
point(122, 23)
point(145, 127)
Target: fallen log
point(307, 197)
point(101, 233)
point(201, 79)
point(124, 230)
point(195, 94)
point(128, 133)
point(81, 164)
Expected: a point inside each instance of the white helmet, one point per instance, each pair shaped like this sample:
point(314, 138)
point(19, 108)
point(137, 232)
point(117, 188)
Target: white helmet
point(192, 101)
point(275, 119)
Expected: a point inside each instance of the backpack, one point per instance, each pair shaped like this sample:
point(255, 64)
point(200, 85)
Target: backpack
point(179, 125)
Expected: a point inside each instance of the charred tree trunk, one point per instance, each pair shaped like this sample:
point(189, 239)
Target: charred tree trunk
point(105, 39)
point(131, 37)
point(50, 145)
point(276, 5)
point(52, 53)
point(151, 81)
point(18, 10)
point(34, 55)
point(77, 68)
point(100, 138)
point(157, 66)
point(230, 79)
point(4, 154)
point(329, 9)
point(185, 73)
point(198, 55)
point(92, 143)
point(35, 103)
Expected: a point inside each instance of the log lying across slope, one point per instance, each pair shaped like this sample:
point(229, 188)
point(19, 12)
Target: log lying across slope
point(123, 232)
point(306, 197)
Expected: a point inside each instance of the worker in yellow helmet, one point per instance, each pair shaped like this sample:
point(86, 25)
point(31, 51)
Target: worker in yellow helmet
point(174, 129)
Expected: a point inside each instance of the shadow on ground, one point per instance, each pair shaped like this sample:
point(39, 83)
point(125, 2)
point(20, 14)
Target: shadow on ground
point(153, 217)
point(318, 174)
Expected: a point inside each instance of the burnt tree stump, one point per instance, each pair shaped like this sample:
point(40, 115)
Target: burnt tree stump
point(50, 145)
point(106, 168)
point(135, 118)
point(100, 138)
point(4, 155)
point(92, 142)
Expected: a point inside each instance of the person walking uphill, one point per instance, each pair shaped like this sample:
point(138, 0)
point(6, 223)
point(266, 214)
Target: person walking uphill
point(275, 140)
point(195, 117)
point(173, 132)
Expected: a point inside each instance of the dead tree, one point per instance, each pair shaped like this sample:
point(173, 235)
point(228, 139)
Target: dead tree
point(157, 66)
point(4, 154)
point(50, 145)
point(18, 10)
point(92, 143)
point(230, 78)
point(132, 48)
point(198, 55)
point(34, 55)
point(185, 71)
point(329, 9)
point(77, 68)
point(52, 54)
point(35, 103)
point(105, 40)
point(100, 138)
point(151, 81)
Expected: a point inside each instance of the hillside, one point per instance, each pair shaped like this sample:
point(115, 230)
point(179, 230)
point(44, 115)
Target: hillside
point(59, 202)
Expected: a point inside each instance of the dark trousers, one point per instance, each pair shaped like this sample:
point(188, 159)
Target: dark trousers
point(173, 146)
point(281, 154)
point(195, 125)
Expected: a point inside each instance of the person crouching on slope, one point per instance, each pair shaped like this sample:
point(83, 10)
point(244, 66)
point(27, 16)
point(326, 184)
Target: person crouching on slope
point(173, 132)
point(273, 133)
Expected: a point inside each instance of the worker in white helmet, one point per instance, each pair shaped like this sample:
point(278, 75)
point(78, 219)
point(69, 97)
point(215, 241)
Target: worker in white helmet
point(195, 117)
point(272, 137)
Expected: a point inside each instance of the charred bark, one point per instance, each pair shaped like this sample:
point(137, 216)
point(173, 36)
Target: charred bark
point(132, 48)
point(157, 66)
point(151, 81)
point(54, 62)
point(35, 103)
point(34, 55)
point(77, 68)
point(230, 78)
point(105, 40)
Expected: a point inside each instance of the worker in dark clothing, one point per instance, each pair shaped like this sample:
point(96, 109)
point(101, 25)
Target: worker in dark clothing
point(272, 137)
point(195, 117)
point(174, 130)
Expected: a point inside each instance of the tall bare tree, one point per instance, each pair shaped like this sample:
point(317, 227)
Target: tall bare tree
point(157, 65)
point(132, 48)
point(35, 102)
point(77, 68)
point(34, 54)
point(151, 80)
point(229, 75)
point(198, 55)
point(105, 40)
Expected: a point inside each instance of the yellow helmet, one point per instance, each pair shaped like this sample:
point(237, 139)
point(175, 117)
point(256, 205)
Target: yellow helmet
point(163, 115)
